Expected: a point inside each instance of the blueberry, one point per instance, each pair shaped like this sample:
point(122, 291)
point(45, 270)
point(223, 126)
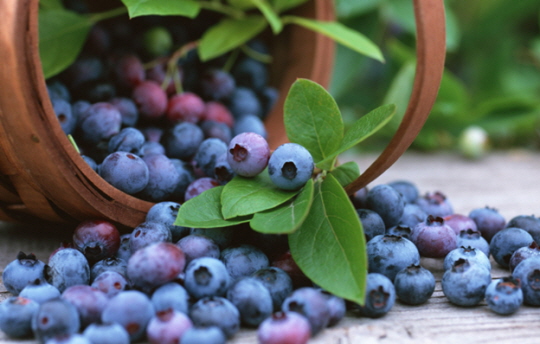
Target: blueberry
point(162, 178)
point(218, 130)
point(91, 162)
point(196, 246)
point(217, 112)
point(64, 114)
point(249, 123)
point(58, 89)
point(412, 215)
point(414, 285)
point(336, 306)
point(248, 154)
point(203, 335)
point(387, 202)
point(244, 101)
point(110, 282)
point(311, 303)
point(435, 204)
point(128, 110)
point(183, 140)
point(100, 122)
point(223, 172)
point(187, 176)
point(206, 276)
point(166, 213)
point(528, 273)
point(124, 250)
point(523, 253)
point(155, 265)
point(167, 327)
point(243, 260)
point(216, 311)
point(132, 309)
point(106, 333)
point(185, 107)
point(473, 238)
point(127, 70)
point(96, 239)
point(198, 186)
point(170, 296)
point(433, 238)
point(407, 189)
point(89, 302)
point(252, 300)
point(372, 223)
point(460, 223)
point(151, 100)
point(464, 284)
point(53, 318)
point(380, 296)
point(504, 295)
point(388, 254)
point(290, 166)
point(128, 140)
point(530, 223)
point(208, 153)
point(125, 171)
point(488, 221)
point(73, 338)
point(284, 327)
point(16, 313)
point(113, 264)
point(217, 84)
point(148, 232)
point(268, 97)
point(151, 147)
point(505, 242)
point(66, 268)
point(250, 73)
point(278, 283)
point(400, 230)
point(40, 291)
point(95, 91)
point(473, 255)
point(22, 271)
point(222, 236)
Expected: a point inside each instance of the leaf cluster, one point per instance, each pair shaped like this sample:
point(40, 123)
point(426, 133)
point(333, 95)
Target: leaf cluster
point(325, 234)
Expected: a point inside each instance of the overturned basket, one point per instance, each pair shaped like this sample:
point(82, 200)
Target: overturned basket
point(43, 178)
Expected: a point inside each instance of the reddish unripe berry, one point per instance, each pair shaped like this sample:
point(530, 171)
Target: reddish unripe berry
point(284, 328)
point(96, 239)
point(248, 154)
point(167, 327)
point(128, 71)
point(151, 100)
point(433, 238)
point(185, 107)
point(216, 111)
point(460, 223)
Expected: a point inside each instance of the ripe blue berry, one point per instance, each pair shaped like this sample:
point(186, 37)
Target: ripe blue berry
point(372, 223)
point(198, 186)
point(407, 189)
point(148, 233)
point(388, 254)
point(243, 260)
point(110, 282)
point(530, 223)
point(115, 264)
point(162, 178)
point(488, 221)
point(464, 284)
point(54, 318)
point(248, 154)
point(380, 296)
point(166, 213)
point(16, 313)
point(252, 300)
point(521, 254)
point(106, 333)
point(196, 246)
point(125, 171)
point(412, 215)
point(278, 283)
point(206, 276)
point(66, 268)
point(290, 166)
point(414, 284)
point(203, 335)
point(170, 296)
point(435, 204)
point(88, 301)
point(249, 123)
point(208, 153)
point(40, 291)
point(505, 242)
point(473, 255)
point(473, 238)
point(183, 140)
point(22, 271)
point(128, 140)
point(387, 202)
point(528, 272)
point(504, 295)
point(311, 303)
point(216, 311)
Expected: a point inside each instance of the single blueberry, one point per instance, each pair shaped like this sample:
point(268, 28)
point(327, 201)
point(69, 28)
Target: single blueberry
point(290, 166)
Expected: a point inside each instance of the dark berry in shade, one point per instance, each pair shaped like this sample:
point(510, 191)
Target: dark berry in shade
point(244, 101)
point(125, 171)
point(473, 255)
point(110, 282)
point(96, 239)
point(223, 172)
point(132, 309)
point(151, 100)
point(57, 89)
point(278, 283)
point(337, 307)
point(379, 298)
point(206, 276)
point(506, 242)
point(523, 253)
point(115, 264)
point(217, 84)
point(284, 328)
point(435, 204)
point(252, 299)
point(127, 140)
point(473, 238)
point(185, 107)
point(66, 268)
point(249, 124)
point(459, 222)
point(268, 98)
point(40, 291)
point(16, 313)
point(372, 223)
point(167, 327)
point(216, 311)
point(162, 178)
point(218, 130)
point(22, 271)
point(528, 273)
point(64, 114)
point(203, 335)
point(530, 223)
point(217, 112)
point(222, 236)
point(433, 238)
point(243, 260)
point(414, 285)
point(183, 140)
point(106, 333)
point(155, 265)
point(311, 303)
point(128, 110)
point(407, 189)
point(488, 221)
point(359, 198)
point(250, 73)
point(90, 302)
point(464, 284)
point(100, 122)
point(54, 318)
point(388, 254)
point(170, 296)
point(286, 262)
point(208, 153)
point(387, 202)
point(504, 295)
point(128, 71)
point(166, 213)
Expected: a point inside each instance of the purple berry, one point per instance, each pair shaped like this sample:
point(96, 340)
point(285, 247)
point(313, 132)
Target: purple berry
point(110, 282)
point(148, 233)
point(115, 264)
point(196, 246)
point(185, 107)
point(248, 154)
point(459, 223)
point(151, 100)
point(167, 327)
point(217, 112)
point(89, 302)
point(284, 328)
point(96, 239)
point(198, 186)
point(311, 303)
point(488, 221)
point(433, 238)
point(217, 84)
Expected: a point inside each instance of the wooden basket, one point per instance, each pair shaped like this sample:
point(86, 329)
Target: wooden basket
point(42, 177)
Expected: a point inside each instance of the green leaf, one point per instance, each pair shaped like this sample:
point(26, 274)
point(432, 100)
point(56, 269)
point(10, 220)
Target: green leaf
point(50, 4)
point(229, 34)
point(362, 129)
point(329, 247)
point(287, 217)
point(284, 5)
point(346, 173)
point(204, 211)
point(186, 8)
point(341, 34)
point(242, 4)
point(244, 196)
point(313, 120)
point(62, 35)
point(270, 15)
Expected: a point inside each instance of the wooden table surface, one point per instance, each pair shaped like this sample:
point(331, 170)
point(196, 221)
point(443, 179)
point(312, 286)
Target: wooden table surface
point(507, 181)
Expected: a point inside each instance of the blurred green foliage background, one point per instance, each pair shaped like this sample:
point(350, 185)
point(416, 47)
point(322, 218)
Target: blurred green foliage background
point(491, 80)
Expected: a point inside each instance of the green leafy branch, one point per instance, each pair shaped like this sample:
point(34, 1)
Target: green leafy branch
point(325, 234)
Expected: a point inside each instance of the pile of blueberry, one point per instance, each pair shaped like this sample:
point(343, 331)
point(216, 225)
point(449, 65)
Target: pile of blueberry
point(148, 115)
